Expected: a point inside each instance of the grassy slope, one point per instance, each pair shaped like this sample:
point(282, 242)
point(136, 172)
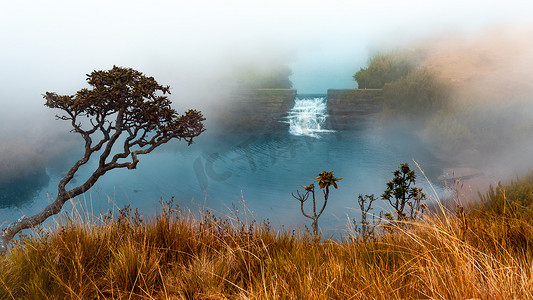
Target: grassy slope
point(480, 254)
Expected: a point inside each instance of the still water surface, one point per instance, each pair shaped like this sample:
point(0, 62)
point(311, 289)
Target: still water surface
point(260, 169)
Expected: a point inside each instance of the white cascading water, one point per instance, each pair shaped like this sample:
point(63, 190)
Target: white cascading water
point(307, 117)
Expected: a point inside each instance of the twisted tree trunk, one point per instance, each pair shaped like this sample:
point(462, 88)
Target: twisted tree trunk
point(121, 101)
point(53, 208)
point(28, 222)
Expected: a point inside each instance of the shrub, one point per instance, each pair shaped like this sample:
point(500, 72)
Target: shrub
point(402, 194)
point(385, 68)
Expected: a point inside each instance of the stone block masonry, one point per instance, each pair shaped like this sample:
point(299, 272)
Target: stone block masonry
point(353, 108)
point(259, 110)
point(264, 110)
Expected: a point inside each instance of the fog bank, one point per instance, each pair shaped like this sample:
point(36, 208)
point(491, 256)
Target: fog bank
point(489, 126)
point(194, 47)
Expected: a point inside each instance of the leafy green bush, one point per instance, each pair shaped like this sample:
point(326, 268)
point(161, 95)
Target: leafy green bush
point(385, 68)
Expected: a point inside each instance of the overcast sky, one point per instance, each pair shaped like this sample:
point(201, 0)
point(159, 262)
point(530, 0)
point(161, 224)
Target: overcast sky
point(51, 45)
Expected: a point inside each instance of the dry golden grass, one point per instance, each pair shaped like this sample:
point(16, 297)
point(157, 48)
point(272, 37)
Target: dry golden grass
point(177, 255)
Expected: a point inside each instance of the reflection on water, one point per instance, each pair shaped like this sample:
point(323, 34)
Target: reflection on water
point(20, 191)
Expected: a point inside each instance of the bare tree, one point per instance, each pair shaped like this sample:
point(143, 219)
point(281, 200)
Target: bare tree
point(366, 228)
point(122, 107)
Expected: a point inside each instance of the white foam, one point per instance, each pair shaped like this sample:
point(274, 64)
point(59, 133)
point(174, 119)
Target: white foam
point(308, 116)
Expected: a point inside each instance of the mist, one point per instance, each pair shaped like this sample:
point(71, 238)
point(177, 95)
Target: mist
point(491, 86)
point(195, 47)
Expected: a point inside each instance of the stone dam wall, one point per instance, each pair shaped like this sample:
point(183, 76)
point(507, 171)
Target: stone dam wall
point(256, 110)
point(264, 110)
point(353, 108)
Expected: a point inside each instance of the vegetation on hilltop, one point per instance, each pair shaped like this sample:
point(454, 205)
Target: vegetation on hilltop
point(456, 118)
point(411, 92)
point(386, 67)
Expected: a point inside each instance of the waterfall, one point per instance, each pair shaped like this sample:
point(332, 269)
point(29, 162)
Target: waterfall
point(307, 117)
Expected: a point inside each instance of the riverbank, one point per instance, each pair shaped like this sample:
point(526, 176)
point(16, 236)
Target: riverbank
point(459, 254)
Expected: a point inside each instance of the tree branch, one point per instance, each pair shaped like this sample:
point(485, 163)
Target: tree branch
point(132, 99)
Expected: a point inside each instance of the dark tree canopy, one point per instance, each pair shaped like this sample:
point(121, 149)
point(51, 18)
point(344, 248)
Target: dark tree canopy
point(132, 100)
point(122, 106)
